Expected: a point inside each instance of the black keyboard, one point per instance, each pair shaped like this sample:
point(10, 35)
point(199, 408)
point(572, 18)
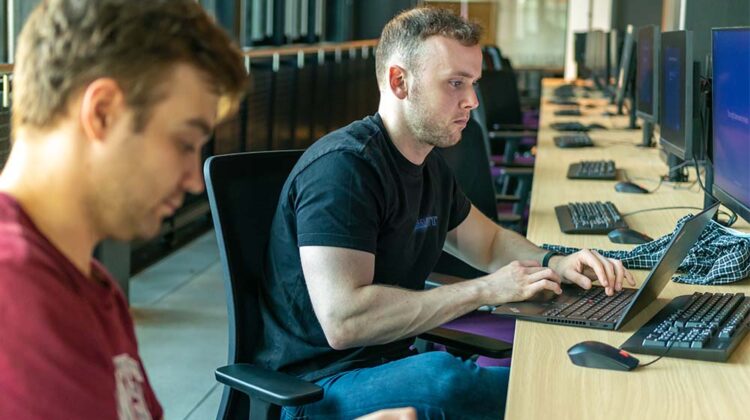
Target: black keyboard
point(594, 305)
point(576, 140)
point(704, 326)
point(591, 218)
point(565, 91)
point(568, 112)
point(563, 101)
point(569, 126)
point(593, 169)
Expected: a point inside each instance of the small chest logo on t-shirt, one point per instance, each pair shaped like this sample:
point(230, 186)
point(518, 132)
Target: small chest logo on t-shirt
point(426, 223)
point(131, 405)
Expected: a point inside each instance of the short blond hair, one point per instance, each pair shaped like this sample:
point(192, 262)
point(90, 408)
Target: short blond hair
point(404, 35)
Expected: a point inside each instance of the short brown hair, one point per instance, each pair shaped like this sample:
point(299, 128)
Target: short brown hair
point(67, 44)
point(404, 34)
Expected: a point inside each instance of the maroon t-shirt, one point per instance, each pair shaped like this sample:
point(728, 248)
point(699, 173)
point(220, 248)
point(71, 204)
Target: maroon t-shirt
point(67, 343)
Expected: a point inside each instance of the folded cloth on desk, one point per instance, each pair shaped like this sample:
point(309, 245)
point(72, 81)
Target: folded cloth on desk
point(720, 255)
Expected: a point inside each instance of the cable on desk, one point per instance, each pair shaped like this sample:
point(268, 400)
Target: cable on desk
point(627, 178)
point(658, 358)
point(674, 208)
point(732, 217)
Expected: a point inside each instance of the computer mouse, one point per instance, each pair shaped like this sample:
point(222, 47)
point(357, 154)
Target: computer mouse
point(629, 187)
point(595, 126)
point(594, 354)
point(628, 236)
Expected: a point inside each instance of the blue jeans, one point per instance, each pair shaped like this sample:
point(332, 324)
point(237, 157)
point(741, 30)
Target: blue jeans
point(437, 384)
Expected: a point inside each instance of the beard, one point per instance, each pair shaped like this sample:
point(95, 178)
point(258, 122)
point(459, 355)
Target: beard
point(426, 128)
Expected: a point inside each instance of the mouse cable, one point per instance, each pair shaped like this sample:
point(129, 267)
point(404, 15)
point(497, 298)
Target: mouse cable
point(658, 358)
point(675, 208)
point(732, 218)
point(661, 181)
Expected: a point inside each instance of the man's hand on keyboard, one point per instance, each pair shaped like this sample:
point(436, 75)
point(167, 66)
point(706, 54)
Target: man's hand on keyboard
point(586, 266)
point(519, 281)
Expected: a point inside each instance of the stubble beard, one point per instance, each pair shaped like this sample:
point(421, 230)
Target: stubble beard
point(425, 129)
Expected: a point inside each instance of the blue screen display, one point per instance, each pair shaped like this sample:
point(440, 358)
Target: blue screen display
point(645, 77)
point(731, 112)
point(673, 90)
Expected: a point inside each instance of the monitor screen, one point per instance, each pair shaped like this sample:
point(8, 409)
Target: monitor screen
point(676, 87)
point(625, 66)
point(613, 48)
point(580, 54)
point(731, 118)
point(647, 72)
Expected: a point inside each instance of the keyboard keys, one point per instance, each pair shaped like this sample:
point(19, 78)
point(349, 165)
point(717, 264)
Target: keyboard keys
point(572, 141)
point(704, 326)
point(597, 169)
point(591, 218)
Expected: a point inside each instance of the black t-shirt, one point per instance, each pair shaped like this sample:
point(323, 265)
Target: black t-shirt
point(352, 189)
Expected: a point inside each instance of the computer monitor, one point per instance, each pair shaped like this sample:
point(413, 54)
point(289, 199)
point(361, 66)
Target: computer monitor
point(625, 76)
point(731, 118)
point(676, 94)
point(579, 53)
point(614, 48)
point(647, 73)
point(596, 57)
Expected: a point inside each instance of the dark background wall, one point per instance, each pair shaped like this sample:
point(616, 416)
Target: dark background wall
point(636, 12)
point(702, 15)
point(3, 34)
point(373, 15)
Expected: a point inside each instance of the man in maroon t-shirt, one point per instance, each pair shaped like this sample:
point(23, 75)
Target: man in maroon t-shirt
point(112, 102)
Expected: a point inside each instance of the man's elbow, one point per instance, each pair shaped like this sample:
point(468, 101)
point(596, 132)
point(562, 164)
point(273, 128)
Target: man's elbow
point(339, 337)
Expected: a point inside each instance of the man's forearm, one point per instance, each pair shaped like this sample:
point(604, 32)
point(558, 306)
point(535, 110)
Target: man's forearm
point(509, 246)
point(377, 314)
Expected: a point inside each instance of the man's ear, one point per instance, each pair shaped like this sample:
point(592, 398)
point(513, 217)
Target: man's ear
point(101, 104)
point(397, 81)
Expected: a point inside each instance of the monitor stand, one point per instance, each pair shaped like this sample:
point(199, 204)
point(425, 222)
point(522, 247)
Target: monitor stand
point(676, 175)
point(648, 134)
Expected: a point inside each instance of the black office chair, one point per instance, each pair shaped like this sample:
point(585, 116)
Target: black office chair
point(503, 117)
point(243, 191)
point(471, 166)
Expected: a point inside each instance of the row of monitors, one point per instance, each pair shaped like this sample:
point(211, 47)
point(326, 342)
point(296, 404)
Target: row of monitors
point(667, 92)
point(667, 89)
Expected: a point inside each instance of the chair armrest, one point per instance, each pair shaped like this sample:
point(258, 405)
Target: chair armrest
point(511, 135)
point(519, 171)
point(268, 385)
point(469, 343)
point(506, 198)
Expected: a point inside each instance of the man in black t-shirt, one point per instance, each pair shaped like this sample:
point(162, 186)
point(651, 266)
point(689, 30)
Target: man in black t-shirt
point(361, 222)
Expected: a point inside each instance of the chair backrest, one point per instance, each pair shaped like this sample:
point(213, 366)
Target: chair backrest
point(501, 98)
point(243, 192)
point(471, 167)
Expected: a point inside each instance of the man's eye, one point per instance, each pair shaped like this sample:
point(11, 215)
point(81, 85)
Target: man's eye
point(187, 147)
point(456, 83)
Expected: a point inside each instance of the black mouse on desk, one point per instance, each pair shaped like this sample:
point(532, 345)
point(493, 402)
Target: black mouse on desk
point(628, 236)
point(594, 354)
point(595, 126)
point(629, 187)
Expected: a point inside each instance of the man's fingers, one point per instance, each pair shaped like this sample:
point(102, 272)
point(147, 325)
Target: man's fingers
point(537, 274)
point(529, 263)
point(595, 264)
point(579, 279)
point(619, 273)
point(629, 278)
point(540, 285)
point(609, 269)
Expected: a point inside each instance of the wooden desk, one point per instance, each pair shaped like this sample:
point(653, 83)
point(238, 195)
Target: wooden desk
point(544, 384)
